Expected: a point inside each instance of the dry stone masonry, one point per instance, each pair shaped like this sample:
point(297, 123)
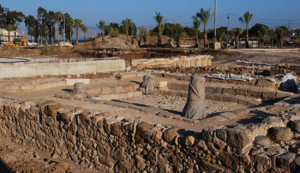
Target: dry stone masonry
point(113, 144)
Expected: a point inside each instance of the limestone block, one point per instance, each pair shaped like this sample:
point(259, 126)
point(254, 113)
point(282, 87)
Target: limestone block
point(170, 134)
point(295, 125)
point(161, 84)
point(130, 95)
point(284, 160)
point(106, 90)
point(127, 88)
point(280, 134)
point(51, 110)
point(73, 81)
point(105, 97)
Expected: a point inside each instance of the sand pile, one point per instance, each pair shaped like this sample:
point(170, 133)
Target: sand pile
point(117, 42)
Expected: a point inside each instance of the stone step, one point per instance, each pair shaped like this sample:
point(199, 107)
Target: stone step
point(216, 97)
point(255, 82)
point(116, 89)
point(119, 96)
point(247, 91)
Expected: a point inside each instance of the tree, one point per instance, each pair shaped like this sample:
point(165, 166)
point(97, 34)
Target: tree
point(237, 32)
point(160, 26)
point(178, 34)
point(69, 27)
point(221, 33)
point(126, 25)
point(246, 19)
point(196, 24)
point(102, 26)
point(259, 30)
point(281, 32)
point(77, 24)
point(143, 34)
point(59, 17)
point(132, 29)
point(51, 26)
point(85, 29)
point(42, 20)
point(31, 24)
point(204, 15)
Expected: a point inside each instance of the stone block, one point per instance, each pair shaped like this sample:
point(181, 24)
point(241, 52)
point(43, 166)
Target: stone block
point(73, 81)
point(161, 84)
point(170, 134)
point(295, 125)
point(105, 97)
point(52, 110)
point(284, 160)
point(238, 139)
point(280, 134)
point(227, 91)
point(106, 90)
point(127, 88)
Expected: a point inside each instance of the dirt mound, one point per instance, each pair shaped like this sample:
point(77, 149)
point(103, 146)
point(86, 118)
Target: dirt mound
point(118, 43)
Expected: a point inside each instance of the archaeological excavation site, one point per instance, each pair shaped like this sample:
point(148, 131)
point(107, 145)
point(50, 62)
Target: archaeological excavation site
point(155, 86)
point(178, 114)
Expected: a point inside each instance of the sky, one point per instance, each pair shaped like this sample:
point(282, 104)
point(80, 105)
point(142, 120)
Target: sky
point(269, 12)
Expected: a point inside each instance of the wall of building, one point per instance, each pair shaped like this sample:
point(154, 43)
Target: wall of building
point(4, 35)
point(109, 144)
point(18, 70)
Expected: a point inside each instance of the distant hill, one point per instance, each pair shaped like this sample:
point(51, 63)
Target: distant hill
point(92, 32)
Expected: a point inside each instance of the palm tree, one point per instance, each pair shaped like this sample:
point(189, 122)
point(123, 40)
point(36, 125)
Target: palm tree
point(246, 20)
point(143, 35)
point(10, 28)
point(281, 32)
point(71, 24)
point(196, 23)
point(102, 27)
point(126, 24)
point(77, 24)
point(132, 31)
point(237, 32)
point(85, 29)
point(58, 17)
point(160, 26)
point(205, 17)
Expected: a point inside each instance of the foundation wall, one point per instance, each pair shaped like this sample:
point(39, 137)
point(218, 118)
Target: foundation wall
point(110, 144)
point(19, 70)
point(185, 62)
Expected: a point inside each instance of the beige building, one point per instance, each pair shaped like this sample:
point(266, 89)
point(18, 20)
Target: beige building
point(4, 35)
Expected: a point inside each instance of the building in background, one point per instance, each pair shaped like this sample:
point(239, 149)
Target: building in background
point(4, 37)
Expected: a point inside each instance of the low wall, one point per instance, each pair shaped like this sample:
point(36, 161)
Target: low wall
point(19, 70)
point(185, 62)
point(110, 144)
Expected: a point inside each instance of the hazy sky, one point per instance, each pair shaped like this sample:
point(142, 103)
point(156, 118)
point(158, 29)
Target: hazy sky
point(270, 12)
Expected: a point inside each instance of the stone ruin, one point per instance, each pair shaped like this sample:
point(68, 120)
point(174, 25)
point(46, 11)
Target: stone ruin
point(109, 125)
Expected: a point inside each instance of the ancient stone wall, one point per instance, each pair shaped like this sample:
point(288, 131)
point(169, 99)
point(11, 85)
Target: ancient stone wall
point(184, 62)
point(113, 144)
point(19, 70)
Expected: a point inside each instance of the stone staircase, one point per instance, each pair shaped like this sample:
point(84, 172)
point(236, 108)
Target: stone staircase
point(115, 92)
point(243, 94)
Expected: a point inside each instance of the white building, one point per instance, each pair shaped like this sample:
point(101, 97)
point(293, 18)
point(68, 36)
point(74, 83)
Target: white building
point(4, 35)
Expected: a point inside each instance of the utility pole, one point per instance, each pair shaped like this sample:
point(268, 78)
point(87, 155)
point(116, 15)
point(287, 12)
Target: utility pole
point(228, 19)
point(64, 28)
point(215, 29)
